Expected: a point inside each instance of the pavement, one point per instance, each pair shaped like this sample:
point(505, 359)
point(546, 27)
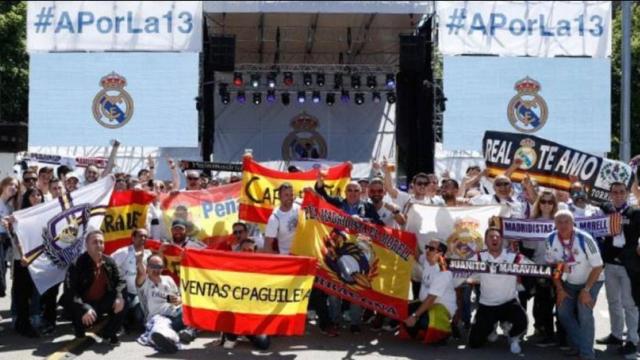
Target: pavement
point(367, 345)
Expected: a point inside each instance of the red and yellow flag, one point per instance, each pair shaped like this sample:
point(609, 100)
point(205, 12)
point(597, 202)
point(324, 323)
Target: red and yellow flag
point(209, 213)
point(259, 195)
point(171, 254)
point(127, 211)
point(246, 293)
point(358, 261)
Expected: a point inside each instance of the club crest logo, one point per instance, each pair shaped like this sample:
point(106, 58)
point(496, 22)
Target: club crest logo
point(113, 106)
point(612, 171)
point(304, 142)
point(353, 263)
point(527, 111)
point(466, 239)
point(527, 154)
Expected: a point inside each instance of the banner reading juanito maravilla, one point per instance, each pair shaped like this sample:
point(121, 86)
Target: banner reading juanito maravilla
point(552, 164)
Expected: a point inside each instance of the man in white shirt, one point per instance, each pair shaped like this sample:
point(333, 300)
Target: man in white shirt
point(578, 286)
point(502, 186)
point(498, 296)
point(389, 213)
point(125, 259)
point(283, 222)
point(437, 298)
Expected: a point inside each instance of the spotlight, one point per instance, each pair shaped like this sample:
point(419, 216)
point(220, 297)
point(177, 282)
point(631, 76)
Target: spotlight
point(331, 99)
point(315, 97)
point(257, 98)
point(288, 79)
point(344, 96)
point(375, 97)
point(355, 81)
point(391, 81)
point(301, 97)
point(320, 79)
point(241, 97)
point(391, 97)
point(271, 96)
point(306, 79)
point(286, 99)
point(271, 80)
point(225, 98)
point(359, 98)
point(237, 79)
point(372, 83)
point(255, 80)
point(337, 81)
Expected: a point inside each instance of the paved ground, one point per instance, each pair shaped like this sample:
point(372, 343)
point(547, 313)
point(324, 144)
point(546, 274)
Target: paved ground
point(368, 345)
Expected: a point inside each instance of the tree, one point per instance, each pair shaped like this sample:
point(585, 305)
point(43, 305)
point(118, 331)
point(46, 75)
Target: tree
point(14, 62)
point(616, 72)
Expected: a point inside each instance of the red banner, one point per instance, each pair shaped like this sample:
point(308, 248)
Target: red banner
point(127, 211)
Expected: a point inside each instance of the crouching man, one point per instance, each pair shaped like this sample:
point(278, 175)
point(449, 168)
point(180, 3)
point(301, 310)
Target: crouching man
point(437, 299)
point(160, 299)
point(93, 287)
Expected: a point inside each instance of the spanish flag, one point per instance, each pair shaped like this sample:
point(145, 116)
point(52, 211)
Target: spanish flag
point(246, 293)
point(127, 211)
point(259, 195)
point(171, 254)
point(209, 213)
point(358, 261)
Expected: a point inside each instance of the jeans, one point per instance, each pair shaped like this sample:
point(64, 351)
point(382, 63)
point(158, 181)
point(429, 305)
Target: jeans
point(335, 310)
point(622, 308)
point(134, 318)
point(577, 319)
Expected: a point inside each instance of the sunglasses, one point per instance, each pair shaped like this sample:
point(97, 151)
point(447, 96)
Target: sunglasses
point(376, 191)
point(155, 267)
point(546, 202)
point(424, 183)
point(237, 232)
point(501, 184)
point(193, 178)
point(353, 190)
point(431, 248)
point(30, 179)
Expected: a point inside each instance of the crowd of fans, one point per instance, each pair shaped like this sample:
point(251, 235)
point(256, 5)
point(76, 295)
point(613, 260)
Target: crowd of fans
point(130, 288)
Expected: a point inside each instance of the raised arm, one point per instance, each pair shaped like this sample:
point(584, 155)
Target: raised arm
point(112, 158)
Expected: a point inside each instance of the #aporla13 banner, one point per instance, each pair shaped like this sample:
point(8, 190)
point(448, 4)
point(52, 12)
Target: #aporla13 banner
point(142, 99)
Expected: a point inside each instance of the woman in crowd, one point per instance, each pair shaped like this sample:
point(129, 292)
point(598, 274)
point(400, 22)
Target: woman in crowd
point(8, 203)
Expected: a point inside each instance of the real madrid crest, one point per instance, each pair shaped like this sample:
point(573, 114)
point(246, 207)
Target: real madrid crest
point(304, 142)
point(112, 106)
point(466, 239)
point(527, 154)
point(527, 111)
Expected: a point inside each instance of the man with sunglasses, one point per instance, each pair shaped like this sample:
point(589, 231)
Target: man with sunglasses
point(579, 203)
point(437, 298)
point(621, 256)
point(511, 207)
point(126, 259)
point(193, 180)
point(160, 298)
point(498, 296)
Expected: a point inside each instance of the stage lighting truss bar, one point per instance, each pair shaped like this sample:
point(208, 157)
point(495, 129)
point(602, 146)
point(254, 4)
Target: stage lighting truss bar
point(362, 69)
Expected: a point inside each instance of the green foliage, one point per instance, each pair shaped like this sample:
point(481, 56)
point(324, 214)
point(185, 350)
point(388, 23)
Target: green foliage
point(616, 64)
point(14, 61)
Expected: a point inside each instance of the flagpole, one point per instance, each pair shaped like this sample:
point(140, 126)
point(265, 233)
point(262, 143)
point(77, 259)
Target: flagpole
point(625, 128)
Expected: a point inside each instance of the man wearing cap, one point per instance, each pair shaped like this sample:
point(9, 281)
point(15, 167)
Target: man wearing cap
point(193, 180)
point(44, 177)
point(437, 298)
point(621, 256)
point(179, 236)
point(125, 259)
point(578, 285)
point(498, 295)
point(71, 181)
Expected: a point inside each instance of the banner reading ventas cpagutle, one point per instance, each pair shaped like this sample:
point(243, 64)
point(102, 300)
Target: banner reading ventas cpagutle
point(551, 164)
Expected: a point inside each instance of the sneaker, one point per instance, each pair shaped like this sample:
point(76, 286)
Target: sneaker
point(390, 327)
point(163, 344)
point(609, 340)
point(493, 337)
point(187, 335)
point(113, 340)
point(229, 344)
point(628, 349)
point(355, 329)
point(546, 342)
point(514, 345)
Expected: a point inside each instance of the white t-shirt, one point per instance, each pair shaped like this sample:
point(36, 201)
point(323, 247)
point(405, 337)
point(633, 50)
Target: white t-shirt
point(497, 289)
point(578, 262)
point(512, 208)
point(125, 258)
point(388, 218)
point(156, 223)
point(154, 297)
point(282, 225)
point(438, 283)
point(403, 200)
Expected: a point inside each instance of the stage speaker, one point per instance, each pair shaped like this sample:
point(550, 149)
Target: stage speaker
point(413, 53)
point(223, 52)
